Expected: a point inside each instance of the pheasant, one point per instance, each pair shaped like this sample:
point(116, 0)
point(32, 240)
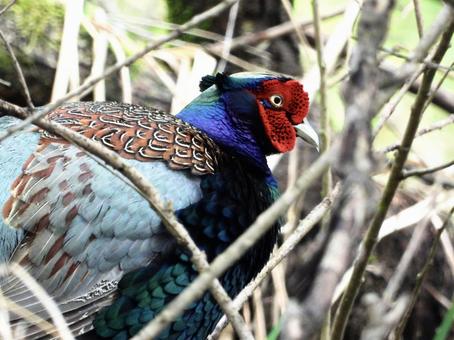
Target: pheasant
point(93, 242)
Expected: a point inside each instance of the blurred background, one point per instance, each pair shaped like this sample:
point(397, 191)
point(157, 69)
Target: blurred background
point(61, 44)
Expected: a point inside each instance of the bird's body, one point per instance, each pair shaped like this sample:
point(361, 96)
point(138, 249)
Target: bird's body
point(81, 228)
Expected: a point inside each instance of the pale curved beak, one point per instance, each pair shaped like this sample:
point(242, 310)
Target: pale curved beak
point(308, 134)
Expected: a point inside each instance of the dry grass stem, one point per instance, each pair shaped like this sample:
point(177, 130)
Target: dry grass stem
point(324, 132)
point(226, 46)
point(68, 48)
point(19, 72)
point(259, 315)
point(100, 48)
point(419, 20)
point(7, 7)
point(420, 278)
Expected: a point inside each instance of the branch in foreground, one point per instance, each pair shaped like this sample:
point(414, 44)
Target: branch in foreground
point(237, 249)
point(150, 194)
point(369, 241)
point(303, 228)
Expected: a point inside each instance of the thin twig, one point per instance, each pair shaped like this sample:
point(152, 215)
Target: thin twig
point(434, 127)
point(333, 47)
point(228, 37)
point(269, 33)
point(259, 317)
point(324, 132)
point(18, 69)
point(295, 237)
point(418, 15)
point(441, 23)
point(411, 250)
point(369, 241)
point(422, 172)
point(302, 39)
point(427, 62)
point(391, 106)
point(420, 278)
point(7, 7)
point(437, 87)
point(100, 49)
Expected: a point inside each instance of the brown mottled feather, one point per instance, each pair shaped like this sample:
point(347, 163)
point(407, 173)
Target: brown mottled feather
point(140, 133)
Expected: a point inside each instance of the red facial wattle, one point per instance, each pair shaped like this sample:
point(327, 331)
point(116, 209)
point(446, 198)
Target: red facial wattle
point(279, 121)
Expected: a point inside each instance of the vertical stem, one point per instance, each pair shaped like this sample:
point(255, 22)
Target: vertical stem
point(324, 122)
point(419, 22)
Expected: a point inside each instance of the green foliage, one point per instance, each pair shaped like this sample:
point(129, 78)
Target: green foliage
point(36, 19)
point(275, 331)
point(180, 11)
point(446, 325)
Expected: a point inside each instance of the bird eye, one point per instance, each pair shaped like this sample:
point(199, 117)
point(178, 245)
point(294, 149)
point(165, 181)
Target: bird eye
point(276, 100)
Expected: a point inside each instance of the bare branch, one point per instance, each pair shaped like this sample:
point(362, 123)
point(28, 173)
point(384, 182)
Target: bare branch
point(7, 7)
point(226, 46)
point(420, 278)
point(418, 15)
point(10, 306)
point(324, 132)
point(441, 23)
point(369, 240)
point(18, 69)
point(422, 172)
point(434, 127)
point(390, 106)
point(269, 33)
point(414, 245)
point(437, 87)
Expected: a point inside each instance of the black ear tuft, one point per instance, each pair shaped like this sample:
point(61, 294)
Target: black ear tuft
point(221, 80)
point(206, 82)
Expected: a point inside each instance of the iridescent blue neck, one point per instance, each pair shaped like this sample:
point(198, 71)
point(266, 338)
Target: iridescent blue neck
point(209, 113)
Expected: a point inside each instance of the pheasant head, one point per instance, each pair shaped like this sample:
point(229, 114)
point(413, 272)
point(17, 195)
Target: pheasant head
point(252, 115)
